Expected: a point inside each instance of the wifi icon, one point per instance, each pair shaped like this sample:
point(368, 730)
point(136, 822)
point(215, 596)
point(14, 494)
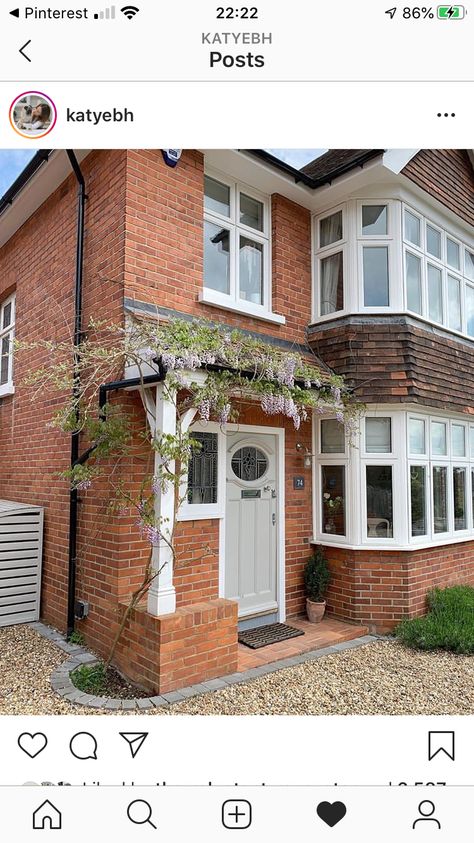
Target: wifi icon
point(130, 11)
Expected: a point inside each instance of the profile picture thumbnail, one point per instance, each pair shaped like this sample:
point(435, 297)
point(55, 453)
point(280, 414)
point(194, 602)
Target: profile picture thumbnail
point(32, 114)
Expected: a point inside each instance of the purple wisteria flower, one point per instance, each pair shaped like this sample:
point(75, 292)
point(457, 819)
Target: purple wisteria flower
point(83, 485)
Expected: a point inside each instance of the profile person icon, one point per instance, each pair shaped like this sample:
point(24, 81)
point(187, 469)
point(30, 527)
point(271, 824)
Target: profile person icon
point(426, 809)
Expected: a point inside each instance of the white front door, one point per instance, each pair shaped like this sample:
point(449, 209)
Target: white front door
point(251, 523)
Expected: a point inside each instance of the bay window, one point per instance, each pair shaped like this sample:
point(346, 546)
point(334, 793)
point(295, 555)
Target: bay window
point(236, 247)
point(406, 479)
point(7, 330)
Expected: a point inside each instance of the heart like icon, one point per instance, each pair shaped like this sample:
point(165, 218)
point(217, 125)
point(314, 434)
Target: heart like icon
point(32, 745)
point(331, 813)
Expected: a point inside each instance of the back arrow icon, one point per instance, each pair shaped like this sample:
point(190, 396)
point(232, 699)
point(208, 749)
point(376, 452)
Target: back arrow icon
point(24, 54)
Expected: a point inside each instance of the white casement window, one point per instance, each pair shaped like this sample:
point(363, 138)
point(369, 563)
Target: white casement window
point(439, 274)
point(7, 331)
point(237, 272)
point(333, 470)
point(407, 479)
point(204, 490)
point(375, 235)
point(441, 457)
point(331, 257)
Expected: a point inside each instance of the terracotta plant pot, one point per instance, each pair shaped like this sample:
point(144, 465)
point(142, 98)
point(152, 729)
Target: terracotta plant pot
point(315, 611)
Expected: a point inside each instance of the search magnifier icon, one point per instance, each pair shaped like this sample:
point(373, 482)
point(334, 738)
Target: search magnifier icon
point(140, 812)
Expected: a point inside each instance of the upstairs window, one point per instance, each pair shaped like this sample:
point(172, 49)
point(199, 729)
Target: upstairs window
point(330, 263)
point(374, 234)
point(236, 246)
point(439, 274)
point(7, 330)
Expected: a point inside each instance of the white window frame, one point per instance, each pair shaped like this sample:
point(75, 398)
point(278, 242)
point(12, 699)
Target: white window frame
point(420, 463)
point(8, 387)
point(361, 203)
point(232, 300)
point(204, 511)
point(322, 252)
point(439, 263)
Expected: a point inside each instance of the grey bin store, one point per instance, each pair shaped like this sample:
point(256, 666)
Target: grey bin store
point(21, 546)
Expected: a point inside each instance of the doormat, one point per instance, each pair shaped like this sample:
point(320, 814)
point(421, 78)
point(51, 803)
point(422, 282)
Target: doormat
point(272, 633)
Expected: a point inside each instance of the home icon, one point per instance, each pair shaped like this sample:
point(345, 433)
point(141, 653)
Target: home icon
point(47, 816)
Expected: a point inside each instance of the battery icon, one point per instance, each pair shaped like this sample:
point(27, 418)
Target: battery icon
point(450, 12)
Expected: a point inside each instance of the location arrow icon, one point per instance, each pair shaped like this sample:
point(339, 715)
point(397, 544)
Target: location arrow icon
point(391, 12)
point(135, 740)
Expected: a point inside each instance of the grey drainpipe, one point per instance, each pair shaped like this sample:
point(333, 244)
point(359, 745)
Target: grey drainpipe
point(73, 495)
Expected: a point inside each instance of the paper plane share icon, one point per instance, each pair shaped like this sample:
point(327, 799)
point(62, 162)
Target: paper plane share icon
point(135, 740)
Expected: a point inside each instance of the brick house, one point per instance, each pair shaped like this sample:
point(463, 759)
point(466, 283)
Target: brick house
point(366, 257)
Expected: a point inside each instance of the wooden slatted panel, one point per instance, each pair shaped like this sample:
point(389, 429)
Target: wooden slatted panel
point(21, 530)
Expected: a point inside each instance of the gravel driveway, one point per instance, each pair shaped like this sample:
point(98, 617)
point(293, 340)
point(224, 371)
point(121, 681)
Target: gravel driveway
point(379, 678)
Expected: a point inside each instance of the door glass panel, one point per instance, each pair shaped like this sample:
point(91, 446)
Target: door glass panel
point(216, 197)
point(418, 500)
point(216, 258)
point(435, 293)
point(440, 499)
point(459, 496)
point(332, 284)
point(333, 499)
point(379, 501)
point(330, 229)
point(251, 270)
point(374, 219)
point(202, 470)
point(249, 464)
point(376, 288)
point(413, 268)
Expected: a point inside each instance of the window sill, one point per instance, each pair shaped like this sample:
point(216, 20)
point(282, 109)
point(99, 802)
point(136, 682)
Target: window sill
point(7, 389)
point(201, 514)
point(256, 312)
point(384, 546)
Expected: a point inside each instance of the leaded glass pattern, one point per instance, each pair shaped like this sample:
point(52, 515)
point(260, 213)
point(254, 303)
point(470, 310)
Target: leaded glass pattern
point(202, 471)
point(249, 463)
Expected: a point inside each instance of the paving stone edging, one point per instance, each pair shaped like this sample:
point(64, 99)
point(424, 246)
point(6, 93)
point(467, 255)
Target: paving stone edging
point(61, 681)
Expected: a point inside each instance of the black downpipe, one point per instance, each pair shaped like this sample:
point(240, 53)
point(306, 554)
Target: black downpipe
point(73, 495)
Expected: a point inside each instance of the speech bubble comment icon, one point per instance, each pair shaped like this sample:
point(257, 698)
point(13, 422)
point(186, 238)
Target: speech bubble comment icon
point(83, 746)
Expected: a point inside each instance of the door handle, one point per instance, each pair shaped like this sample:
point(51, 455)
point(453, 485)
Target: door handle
point(274, 519)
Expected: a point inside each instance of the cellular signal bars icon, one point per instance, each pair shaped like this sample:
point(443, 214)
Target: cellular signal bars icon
point(107, 14)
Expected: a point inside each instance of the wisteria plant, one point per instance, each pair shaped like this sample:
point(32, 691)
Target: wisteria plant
point(210, 368)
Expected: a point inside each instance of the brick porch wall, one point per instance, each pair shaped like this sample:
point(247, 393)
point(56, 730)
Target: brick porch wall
point(380, 588)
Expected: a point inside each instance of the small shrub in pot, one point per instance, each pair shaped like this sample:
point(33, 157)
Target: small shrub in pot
point(317, 577)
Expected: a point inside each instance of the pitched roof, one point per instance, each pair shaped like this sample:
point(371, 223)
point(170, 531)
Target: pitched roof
point(336, 162)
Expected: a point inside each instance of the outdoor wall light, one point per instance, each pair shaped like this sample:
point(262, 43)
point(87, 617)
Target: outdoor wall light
point(308, 456)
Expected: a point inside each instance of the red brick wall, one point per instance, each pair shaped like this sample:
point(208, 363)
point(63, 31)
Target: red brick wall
point(39, 262)
point(379, 588)
point(165, 246)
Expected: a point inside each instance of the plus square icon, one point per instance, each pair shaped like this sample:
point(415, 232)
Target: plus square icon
point(236, 813)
